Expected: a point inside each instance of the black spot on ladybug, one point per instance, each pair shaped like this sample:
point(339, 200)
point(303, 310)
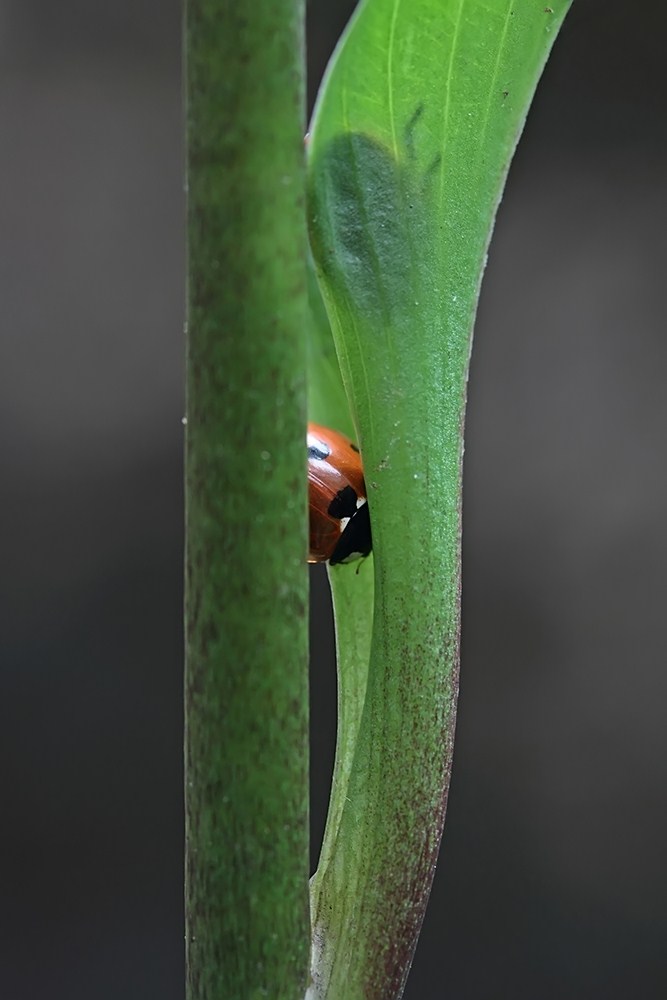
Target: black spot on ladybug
point(318, 451)
point(354, 447)
point(344, 504)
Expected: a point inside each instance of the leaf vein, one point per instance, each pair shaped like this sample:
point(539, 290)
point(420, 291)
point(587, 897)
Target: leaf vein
point(448, 89)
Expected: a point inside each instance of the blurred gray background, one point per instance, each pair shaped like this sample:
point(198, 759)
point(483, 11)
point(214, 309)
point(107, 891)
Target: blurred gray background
point(552, 880)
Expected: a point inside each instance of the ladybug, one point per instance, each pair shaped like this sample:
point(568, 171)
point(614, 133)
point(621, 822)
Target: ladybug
point(340, 526)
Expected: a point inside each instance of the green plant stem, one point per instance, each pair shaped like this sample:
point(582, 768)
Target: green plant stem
point(247, 921)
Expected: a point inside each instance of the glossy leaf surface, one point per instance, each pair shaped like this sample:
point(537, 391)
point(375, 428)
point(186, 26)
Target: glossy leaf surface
point(413, 134)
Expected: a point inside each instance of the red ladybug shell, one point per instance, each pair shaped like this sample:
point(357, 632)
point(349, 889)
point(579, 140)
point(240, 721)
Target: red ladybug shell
point(336, 493)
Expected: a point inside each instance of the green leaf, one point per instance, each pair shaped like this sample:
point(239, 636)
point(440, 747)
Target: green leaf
point(413, 134)
point(352, 586)
point(327, 402)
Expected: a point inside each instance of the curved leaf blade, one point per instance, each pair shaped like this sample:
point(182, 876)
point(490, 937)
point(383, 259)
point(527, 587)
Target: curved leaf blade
point(412, 139)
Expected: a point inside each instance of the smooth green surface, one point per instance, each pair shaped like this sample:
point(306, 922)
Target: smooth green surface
point(352, 585)
point(327, 402)
point(411, 142)
point(247, 925)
